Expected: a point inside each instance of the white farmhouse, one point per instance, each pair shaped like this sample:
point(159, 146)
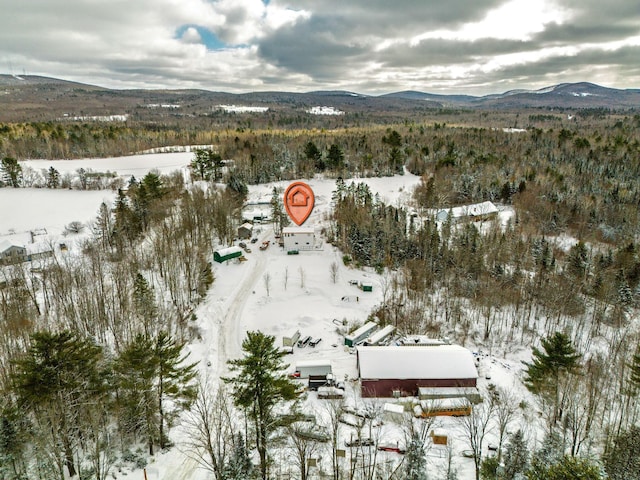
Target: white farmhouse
point(298, 238)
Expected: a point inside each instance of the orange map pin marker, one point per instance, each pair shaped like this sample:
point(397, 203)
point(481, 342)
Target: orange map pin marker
point(299, 200)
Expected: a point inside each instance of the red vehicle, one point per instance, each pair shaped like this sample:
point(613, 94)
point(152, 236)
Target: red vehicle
point(264, 245)
point(392, 448)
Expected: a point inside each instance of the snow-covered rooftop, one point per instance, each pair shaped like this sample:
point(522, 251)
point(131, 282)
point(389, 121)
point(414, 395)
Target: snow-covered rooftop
point(473, 210)
point(439, 362)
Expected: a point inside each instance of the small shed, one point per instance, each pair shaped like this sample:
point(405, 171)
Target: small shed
point(439, 436)
point(366, 286)
point(224, 254)
point(245, 231)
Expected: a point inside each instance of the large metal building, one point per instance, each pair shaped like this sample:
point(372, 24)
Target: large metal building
point(392, 371)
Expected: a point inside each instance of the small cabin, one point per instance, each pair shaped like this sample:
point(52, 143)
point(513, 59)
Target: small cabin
point(245, 231)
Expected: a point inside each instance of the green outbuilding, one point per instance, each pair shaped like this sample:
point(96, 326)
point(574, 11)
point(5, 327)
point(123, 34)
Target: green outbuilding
point(224, 254)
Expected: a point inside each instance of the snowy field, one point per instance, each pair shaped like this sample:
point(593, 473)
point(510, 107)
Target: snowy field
point(301, 295)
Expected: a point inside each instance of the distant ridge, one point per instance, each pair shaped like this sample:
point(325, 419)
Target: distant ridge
point(564, 95)
point(32, 97)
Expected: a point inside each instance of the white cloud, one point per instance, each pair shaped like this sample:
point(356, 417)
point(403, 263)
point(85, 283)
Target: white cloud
point(370, 46)
point(191, 35)
point(514, 20)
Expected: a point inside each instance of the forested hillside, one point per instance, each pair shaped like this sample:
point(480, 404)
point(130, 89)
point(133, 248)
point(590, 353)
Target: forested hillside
point(91, 349)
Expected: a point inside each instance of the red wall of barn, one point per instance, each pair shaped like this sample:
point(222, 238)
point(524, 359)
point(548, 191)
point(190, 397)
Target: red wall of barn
point(385, 387)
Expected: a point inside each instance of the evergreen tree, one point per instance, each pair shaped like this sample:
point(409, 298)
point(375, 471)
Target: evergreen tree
point(415, 466)
point(136, 371)
point(335, 157)
point(237, 186)
point(516, 456)
point(11, 171)
point(550, 453)
point(13, 443)
point(53, 178)
point(568, 468)
point(207, 165)
point(153, 185)
point(145, 303)
point(396, 161)
point(550, 365)
point(239, 466)
point(103, 226)
point(174, 388)
point(622, 462)
point(59, 377)
point(259, 386)
point(313, 154)
point(278, 215)
point(394, 139)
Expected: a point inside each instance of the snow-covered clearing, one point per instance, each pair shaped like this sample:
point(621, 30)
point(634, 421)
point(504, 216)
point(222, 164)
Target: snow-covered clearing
point(272, 292)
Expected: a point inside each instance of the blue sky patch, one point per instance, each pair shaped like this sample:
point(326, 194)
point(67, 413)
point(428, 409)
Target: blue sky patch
point(209, 39)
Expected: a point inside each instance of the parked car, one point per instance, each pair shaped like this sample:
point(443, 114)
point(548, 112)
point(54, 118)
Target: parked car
point(359, 442)
point(242, 245)
point(304, 341)
point(254, 240)
point(315, 342)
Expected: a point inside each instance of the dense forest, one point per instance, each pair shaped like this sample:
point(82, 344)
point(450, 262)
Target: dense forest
point(91, 361)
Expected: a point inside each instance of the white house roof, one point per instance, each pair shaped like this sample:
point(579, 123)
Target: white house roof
point(247, 225)
point(393, 362)
point(298, 230)
point(38, 247)
point(6, 245)
point(227, 251)
point(313, 363)
point(473, 210)
point(363, 329)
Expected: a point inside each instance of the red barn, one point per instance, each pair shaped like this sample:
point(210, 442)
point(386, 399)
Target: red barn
point(392, 371)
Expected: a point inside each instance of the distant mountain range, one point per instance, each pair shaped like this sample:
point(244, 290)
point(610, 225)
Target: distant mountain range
point(31, 98)
point(563, 95)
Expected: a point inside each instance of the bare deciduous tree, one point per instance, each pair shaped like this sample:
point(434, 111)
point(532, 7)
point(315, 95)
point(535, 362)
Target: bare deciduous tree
point(333, 271)
point(210, 429)
point(267, 282)
point(475, 427)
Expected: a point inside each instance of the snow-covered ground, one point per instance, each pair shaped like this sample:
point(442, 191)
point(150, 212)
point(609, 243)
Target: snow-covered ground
point(322, 110)
point(272, 292)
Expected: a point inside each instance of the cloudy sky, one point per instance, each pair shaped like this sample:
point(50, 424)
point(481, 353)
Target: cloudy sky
point(366, 46)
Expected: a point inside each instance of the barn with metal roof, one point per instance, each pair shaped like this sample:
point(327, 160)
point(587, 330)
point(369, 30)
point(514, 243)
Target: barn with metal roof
point(391, 371)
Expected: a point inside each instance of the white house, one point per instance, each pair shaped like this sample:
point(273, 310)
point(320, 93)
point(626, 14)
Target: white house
point(476, 211)
point(298, 238)
point(12, 253)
